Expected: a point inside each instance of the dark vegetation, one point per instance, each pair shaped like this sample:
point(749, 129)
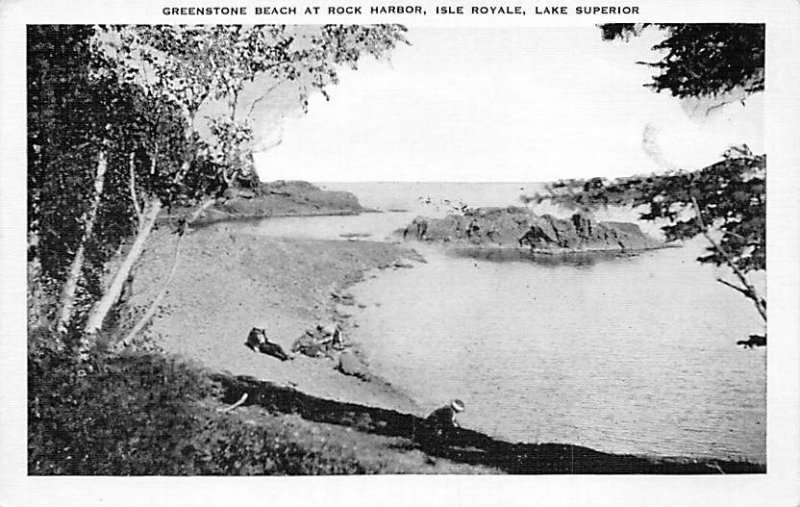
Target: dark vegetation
point(703, 59)
point(468, 446)
point(145, 414)
point(730, 194)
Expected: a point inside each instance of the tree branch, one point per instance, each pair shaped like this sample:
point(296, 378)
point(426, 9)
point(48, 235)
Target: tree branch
point(734, 287)
point(750, 291)
point(262, 97)
point(196, 213)
point(234, 103)
point(151, 310)
point(721, 104)
point(235, 405)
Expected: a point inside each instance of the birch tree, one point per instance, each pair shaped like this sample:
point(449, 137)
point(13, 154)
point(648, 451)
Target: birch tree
point(117, 134)
point(190, 66)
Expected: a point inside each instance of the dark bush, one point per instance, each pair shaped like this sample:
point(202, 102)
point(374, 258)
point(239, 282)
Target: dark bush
point(144, 414)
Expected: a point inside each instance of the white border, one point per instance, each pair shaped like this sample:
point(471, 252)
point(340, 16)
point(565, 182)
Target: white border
point(780, 486)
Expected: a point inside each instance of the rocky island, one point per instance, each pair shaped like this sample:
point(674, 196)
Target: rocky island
point(517, 227)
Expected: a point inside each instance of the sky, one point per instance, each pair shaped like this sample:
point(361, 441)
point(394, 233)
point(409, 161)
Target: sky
point(510, 104)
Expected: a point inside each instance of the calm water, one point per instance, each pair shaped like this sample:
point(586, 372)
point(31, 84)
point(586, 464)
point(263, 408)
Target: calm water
point(622, 354)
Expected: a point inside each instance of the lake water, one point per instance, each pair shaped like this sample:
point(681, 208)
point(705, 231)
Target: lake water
point(621, 354)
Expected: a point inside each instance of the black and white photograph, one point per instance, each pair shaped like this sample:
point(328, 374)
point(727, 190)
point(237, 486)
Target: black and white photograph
point(265, 249)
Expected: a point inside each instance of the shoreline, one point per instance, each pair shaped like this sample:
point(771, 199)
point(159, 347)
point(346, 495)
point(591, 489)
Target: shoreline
point(553, 252)
point(303, 283)
point(314, 378)
point(231, 280)
point(220, 218)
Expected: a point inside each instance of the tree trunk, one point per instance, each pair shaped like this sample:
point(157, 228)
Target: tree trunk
point(151, 310)
point(66, 301)
point(100, 310)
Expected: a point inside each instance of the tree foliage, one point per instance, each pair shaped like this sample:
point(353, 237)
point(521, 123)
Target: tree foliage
point(132, 97)
point(80, 107)
point(192, 66)
point(730, 194)
point(703, 60)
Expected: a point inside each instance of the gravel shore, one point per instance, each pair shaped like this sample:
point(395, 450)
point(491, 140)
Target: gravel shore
point(229, 281)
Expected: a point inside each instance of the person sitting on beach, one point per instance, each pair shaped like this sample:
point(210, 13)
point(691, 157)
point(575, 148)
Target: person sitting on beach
point(320, 340)
point(422, 228)
point(444, 418)
point(332, 334)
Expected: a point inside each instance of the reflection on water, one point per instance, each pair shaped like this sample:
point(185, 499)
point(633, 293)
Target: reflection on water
point(621, 353)
point(575, 259)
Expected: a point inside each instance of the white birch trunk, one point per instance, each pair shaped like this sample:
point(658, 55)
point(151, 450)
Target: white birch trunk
point(100, 310)
point(151, 310)
point(66, 300)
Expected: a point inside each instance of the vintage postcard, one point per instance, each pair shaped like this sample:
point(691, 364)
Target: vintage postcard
point(425, 241)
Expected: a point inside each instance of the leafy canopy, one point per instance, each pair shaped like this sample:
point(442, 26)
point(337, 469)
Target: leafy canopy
point(134, 96)
point(703, 60)
point(730, 194)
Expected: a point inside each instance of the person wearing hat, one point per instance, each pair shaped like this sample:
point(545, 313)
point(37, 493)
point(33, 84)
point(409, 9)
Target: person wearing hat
point(445, 417)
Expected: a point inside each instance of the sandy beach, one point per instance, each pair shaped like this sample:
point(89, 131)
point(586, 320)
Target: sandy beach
point(229, 281)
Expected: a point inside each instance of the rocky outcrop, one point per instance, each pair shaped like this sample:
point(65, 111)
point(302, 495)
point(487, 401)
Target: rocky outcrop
point(288, 197)
point(276, 199)
point(519, 227)
point(583, 232)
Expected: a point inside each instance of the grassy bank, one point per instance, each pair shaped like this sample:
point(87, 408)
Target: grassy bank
point(147, 414)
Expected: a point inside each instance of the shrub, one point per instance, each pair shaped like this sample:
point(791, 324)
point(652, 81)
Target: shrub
point(145, 414)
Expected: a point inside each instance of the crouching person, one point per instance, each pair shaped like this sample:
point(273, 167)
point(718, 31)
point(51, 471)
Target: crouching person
point(440, 427)
point(444, 418)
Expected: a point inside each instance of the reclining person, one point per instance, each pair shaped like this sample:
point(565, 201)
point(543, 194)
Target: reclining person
point(257, 341)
